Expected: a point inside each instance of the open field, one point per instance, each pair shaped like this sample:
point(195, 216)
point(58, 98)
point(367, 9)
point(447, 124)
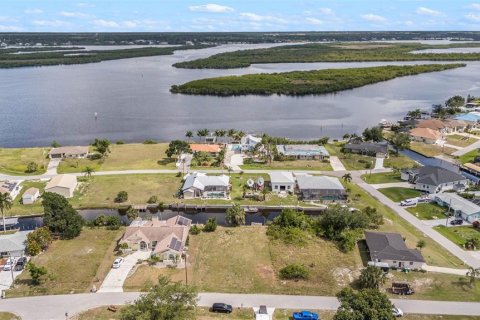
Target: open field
point(134, 156)
point(398, 194)
point(8, 316)
point(458, 235)
point(14, 161)
point(428, 211)
point(72, 265)
point(377, 178)
point(469, 157)
point(23, 210)
point(460, 141)
point(249, 262)
point(297, 83)
point(290, 165)
point(430, 150)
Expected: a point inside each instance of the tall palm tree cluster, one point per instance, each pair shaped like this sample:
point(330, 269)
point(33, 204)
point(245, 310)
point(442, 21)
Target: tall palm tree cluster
point(232, 134)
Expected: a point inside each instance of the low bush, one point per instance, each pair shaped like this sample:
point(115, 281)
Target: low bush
point(294, 272)
point(195, 230)
point(211, 225)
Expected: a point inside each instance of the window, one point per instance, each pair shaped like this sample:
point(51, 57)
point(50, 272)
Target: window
point(394, 261)
point(411, 263)
point(154, 243)
point(276, 187)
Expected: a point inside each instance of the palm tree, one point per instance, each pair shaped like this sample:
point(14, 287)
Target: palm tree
point(88, 172)
point(189, 134)
point(235, 215)
point(6, 203)
point(347, 177)
point(473, 273)
point(231, 133)
point(203, 133)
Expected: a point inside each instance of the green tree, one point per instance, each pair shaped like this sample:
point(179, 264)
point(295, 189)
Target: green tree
point(347, 177)
point(371, 278)
point(235, 215)
point(375, 217)
point(122, 196)
point(38, 240)
point(60, 217)
point(32, 167)
point(421, 244)
point(55, 144)
point(455, 102)
point(189, 134)
point(294, 272)
point(177, 147)
point(164, 301)
point(473, 274)
point(203, 133)
point(210, 225)
point(346, 136)
point(400, 141)
point(366, 304)
point(373, 134)
point(88, 171)
point(472, 243)
point(102, 146)
point(36, 273)
point(6, 203)
point(132, 213)
point(415, 114)
point(231, 134)
point(335, 220)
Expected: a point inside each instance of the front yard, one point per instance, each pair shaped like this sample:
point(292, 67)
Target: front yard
point(469, 157)
point(430, 150)
point(398, 194)
point(22, 210)
point(14, 161)
point(460, 141)
point(428, 211)
point(73, 266)
point(377, 178)
point(458, 235)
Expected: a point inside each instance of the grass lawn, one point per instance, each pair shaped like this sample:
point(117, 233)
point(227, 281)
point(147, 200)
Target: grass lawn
point(428, 211)
point(8, 316)
point(430, 150)
point(285, 314)
point(398, 194)
point(377, 178)
point(72, 265)
point(249, 262)
point(458, 235)
point(14, 161)
point(29, 209)
point(124, 157)
point(469, 157)
point(399, 161)
point(433, 253)
point(460, 141)
point(290, 165)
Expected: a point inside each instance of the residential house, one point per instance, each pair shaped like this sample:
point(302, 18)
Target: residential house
point(426, 135)
point(63, 184)
point(433, 179)
point(30, 196)
point(320, 188)
point(165, 239)
point(455, 125)
point(433, 124)
point(199, 185)
point(76, 152)
point(471, 118)
point(249, 142)
point(460, 207)
point(13, 244)
point(303, 152)
point(389, 249)
point(374, 149)
point(213, 149)
point(13, 188)
point(282, 181)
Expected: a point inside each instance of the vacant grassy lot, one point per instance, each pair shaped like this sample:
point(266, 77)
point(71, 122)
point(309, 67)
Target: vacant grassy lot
point(458, 235)
point(290, 165)
point(14, 161)
point(460, 141)
point(249, 262)
point(29, 209)
point(72, 265)
point(377, 178)
point(398, 194)
point(8, 316)
point(469, 157)
point(428, 211)
point(430, 150)
point(124, 157)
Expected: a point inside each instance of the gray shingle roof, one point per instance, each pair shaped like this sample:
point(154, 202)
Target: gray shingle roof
point(367, 147)
point(435, 176)
point(390, 246)
point(281, 177)
point(13, 242)
point(319, 182)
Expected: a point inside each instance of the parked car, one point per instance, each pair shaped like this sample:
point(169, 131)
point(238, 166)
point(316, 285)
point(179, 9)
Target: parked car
point(9, 264)
point(456, 222)
point(409, 202)
point(397, 312)
point(305, 315)
point(117, 263)
point(222, 307)
point(20, 264)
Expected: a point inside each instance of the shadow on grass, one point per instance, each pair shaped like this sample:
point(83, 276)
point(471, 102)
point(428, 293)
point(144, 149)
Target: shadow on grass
point(464, 283)
point(165, 161)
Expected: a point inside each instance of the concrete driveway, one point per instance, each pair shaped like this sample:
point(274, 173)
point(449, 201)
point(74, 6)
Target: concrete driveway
point(116, 277)
point(52, 166)
point(6, 278)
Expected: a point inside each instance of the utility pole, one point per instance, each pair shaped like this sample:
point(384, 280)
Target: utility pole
point(186, 272)
point(11, 270)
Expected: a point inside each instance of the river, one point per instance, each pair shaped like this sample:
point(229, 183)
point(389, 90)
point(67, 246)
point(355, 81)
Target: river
point(133, 102)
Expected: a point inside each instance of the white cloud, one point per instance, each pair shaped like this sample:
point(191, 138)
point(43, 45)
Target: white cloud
point(473, 17)
point(211, 7)
point(259, 18)
point(370, 17)
point(79, 15)
point(326, 11)
point(33, 11)
point(85, 5)
point(50, 23)
point(5, 28)
point(429, 12)
point(105, 23)
point(475, 6)
point(314, 21)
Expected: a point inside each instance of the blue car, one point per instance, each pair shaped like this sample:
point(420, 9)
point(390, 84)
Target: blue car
point(305, 315)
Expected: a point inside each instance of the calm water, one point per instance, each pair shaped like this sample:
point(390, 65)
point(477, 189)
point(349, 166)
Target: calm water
point(133, 102)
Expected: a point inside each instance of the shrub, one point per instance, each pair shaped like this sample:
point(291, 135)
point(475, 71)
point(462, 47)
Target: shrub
point(120, 142)
point(148, 141)
point(100, 221)
point(152, 199)
point(195, 230)
point(113, 223)
point(294, 272)
point(36, 273)
point(476, 224)
point(32, 167)
point(122, 196)
point(211, 225)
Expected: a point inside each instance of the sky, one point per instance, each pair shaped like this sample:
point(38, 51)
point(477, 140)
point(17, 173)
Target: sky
point(239, 15)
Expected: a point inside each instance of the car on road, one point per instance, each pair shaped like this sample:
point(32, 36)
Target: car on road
point(305, 315)
point(117, 263)
point(397, 312)
point(222, 307)
point(20, 264)
point(9, 264)
point(409, 202)
point(456, 222)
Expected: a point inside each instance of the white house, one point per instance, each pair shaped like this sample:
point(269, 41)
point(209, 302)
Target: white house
point(249, 142)
point(282, 181)
point(434, 179)
point(77, 152)
point(460, 207)
point(63, 184)
point(13, 188)
point(30, 196)
point(199, 185)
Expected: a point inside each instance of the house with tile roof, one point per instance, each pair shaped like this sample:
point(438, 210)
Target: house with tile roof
point(213, 149)
point(426, 135)
point(165, 239)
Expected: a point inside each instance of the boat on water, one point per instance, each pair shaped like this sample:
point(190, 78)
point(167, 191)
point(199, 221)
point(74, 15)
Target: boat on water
point(251, 209)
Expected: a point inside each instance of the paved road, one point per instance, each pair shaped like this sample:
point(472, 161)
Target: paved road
point(55, 307)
